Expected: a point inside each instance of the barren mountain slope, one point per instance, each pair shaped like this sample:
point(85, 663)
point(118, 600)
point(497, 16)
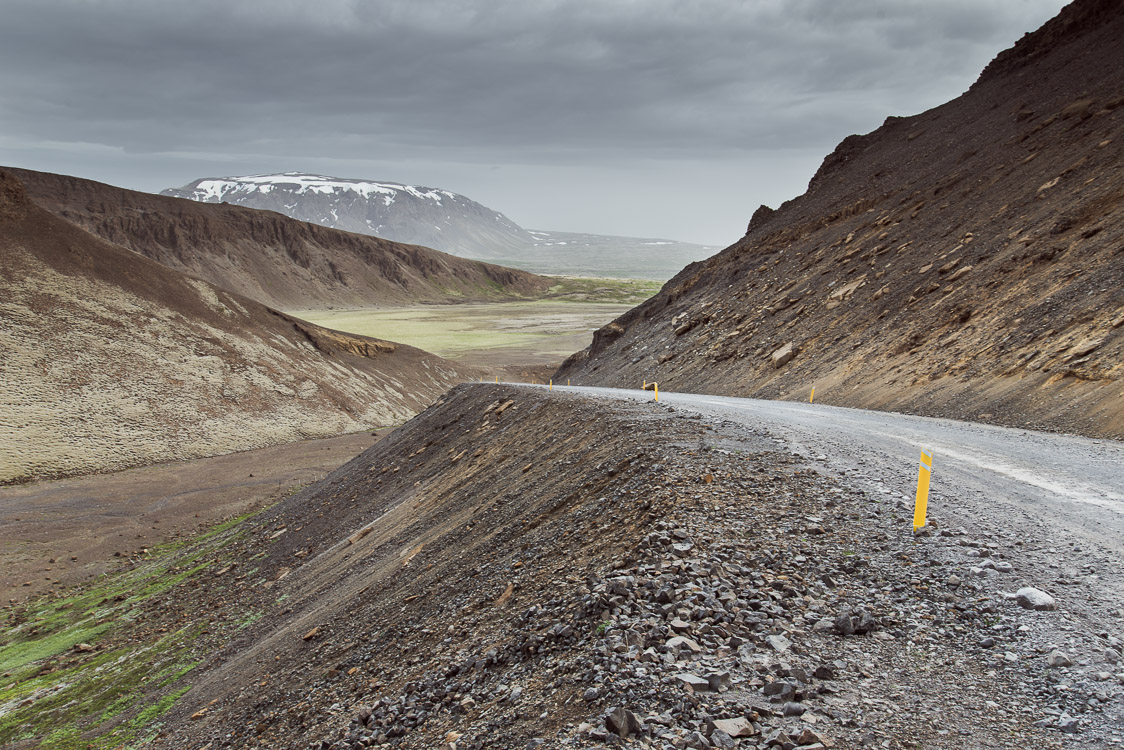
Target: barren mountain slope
point(276, 260)
point(967, 262)
point(112, 360)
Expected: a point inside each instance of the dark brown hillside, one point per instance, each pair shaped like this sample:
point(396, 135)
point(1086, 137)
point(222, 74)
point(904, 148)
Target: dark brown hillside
point(113, 360)
point(966, 262)
point(263, 255)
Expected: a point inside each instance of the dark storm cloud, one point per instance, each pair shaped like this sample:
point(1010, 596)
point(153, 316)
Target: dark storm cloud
point(482, 81)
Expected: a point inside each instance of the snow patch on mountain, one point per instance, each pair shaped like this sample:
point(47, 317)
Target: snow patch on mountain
point(218, 190)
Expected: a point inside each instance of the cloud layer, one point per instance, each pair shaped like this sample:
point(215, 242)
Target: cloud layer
point(482, 95)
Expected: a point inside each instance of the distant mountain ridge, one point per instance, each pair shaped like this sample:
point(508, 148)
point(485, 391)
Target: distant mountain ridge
point(435, 218)
point(445, 221)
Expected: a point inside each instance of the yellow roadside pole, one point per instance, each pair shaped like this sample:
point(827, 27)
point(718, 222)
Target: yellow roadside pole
point(812, 396)
point(656, 386)
point(567, 381)
point(922, 502)
point(645, 386)
point(551, 385)
point(497, 378)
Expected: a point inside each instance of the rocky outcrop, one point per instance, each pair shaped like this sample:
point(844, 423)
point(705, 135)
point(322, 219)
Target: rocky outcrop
point(519, 569)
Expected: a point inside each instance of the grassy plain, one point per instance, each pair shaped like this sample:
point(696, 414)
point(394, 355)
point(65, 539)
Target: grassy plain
point(526, 334)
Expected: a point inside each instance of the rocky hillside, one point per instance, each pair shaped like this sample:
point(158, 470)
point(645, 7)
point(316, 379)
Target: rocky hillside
point(425, 216)
point(518, 569)
point(274, 259)
point(112, 360)
point(965, 262)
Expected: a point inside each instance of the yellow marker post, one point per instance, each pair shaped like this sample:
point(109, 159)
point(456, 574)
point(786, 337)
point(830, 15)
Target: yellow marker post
point(645, 386)
point(551, 385)
point(567, 381)
point(657, 388)
point(812, 396)
point(922, 502)
point(497, 378)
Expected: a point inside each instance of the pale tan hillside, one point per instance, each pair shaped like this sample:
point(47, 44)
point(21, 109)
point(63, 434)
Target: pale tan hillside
point(112, 360)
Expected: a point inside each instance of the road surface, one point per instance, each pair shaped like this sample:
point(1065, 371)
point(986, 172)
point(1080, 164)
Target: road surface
point(1071, 482)
point(1054, 501)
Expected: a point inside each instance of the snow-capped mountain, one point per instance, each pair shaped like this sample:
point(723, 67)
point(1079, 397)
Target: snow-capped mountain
point(445, 221)
point(426, 216)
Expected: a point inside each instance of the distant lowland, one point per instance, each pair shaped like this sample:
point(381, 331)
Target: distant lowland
point(446, 221)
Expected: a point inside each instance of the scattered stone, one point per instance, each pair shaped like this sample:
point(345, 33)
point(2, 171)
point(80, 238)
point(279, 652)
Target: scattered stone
point(623, 723)
point(311, 634)
point(808, 737)
point(783, 356)
point(825, 672)
point(1068, 724)
point(676, 645)
point(738, 727)
point(779, 643)
point(1032, 598)
point(693, 682)
point(779, 738)
point(855, 623)
point(718, 738)
point(1058, 659)
point(792, 708)
point(779, 690)
point(719, 681)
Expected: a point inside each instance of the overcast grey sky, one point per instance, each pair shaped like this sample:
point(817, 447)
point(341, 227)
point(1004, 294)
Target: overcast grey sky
point(669, 118)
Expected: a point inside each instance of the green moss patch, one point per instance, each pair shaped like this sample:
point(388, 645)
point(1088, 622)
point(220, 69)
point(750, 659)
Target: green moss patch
point(80, 672)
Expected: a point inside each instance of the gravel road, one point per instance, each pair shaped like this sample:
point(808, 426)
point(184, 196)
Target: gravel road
point(1051, 504)
point(1064, 484)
